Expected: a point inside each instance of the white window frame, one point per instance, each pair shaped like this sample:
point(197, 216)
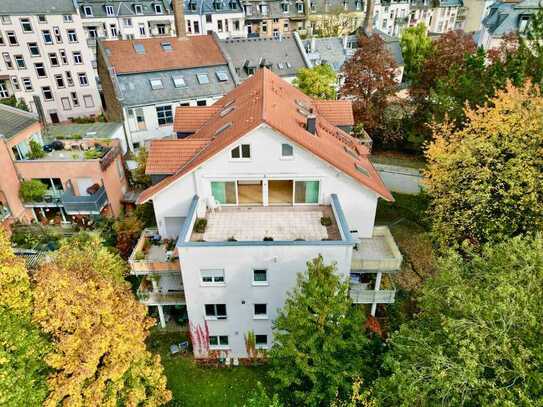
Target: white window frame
point(27, 84)
point(262, 346)
point(78, 58)
point(260, 316)
point(83, 79)
point(138, 9)
point(110, 11)
point(287, 157)
point(158, 8)
point(215, 317)
point(213, 274)
point(86, 98)
point(241, 158)
point(87, 10)
point(219, 346)
point(260, 283)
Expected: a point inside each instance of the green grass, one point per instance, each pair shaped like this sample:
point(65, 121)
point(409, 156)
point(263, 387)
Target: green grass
point(197, 386)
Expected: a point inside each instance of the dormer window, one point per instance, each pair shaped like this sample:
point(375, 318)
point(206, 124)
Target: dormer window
point(300, 7)
point(87, 10)
point(158, 8)
point(138, 9)
point(241, 152)
point(284, 7)
point(523, 23)
point(222, 76)
point(156, 84)
point(203, 78)
point(109, 11)
point(179, 81)
point(192, 5)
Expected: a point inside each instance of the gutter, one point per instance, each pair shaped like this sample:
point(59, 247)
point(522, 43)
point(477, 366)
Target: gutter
point(302, 49)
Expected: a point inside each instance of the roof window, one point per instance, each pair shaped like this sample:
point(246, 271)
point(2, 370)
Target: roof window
point(203, 78)
point(179, 81)
point(362, 170)
point(351, 152)
point(225, 111)
point(289, 65)
point(166, 46)
point(156, 84)
point(222, 76)
point(223, 128)
point(139, 48)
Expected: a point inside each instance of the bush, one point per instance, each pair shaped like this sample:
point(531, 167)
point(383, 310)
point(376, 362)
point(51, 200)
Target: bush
point(36, 150)
point(326, 221)
point(200, 225)
point(32, 191)
point(146, 214)
point(93, 154)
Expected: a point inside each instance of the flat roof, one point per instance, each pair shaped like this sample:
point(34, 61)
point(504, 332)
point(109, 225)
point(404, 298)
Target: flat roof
point(13, 120)
point(98, 130)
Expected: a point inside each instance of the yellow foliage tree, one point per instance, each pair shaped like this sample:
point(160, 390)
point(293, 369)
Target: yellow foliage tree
point(486, 180)
point(99, 331)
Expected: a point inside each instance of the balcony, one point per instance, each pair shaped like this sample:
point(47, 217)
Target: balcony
point(376, 254)
point(365, 293)
point(84, 205)
point(50, 199)
point(149, 294)
point(153, 255)
point(4, 212)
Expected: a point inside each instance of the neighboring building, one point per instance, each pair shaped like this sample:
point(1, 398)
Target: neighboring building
point(471, 16)
point(263, 181)
point(504, 18)
point(270, 18)
point(439, 16)
point(391, 16)
point(335, 51)
point(85, 176)
point(334, 17)
point(98, 130)
point(45, 54)
point(143, 81)
point(283, 55)
point(224, 17)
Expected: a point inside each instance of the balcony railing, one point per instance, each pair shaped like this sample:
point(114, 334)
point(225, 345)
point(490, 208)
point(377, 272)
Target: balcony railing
point(149, 257)
point(155, 296)
point(84, 205)
point(361, 295)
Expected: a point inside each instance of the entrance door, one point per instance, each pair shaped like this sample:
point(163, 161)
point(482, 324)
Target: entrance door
point(54, 117)
point(83, 184)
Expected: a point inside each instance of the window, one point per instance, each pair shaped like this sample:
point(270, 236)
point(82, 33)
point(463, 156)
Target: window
point(34, 49)
point(40, 70)
point(161, 29)
point(284, 7)
point(25, 25)
point(164, 115)
point(203, 78)
point(53, 59)
point(224, 192)
point(127, 22)
point(222, 76)
point(260, 311)
point(66, 103)
point(77, 57)
point(27, 84)
point(166, 46)
point(138, 9)
point(261, 341)
point(196, 27)
point(236, 25)
point(201, 102)
point(7, 60)
point(241, 152)
point(3, 90)
point(6, 19)
point(15, 83)
point(63, 56)
point(47, 37)
point(87, 10)
point(75, 100)
point(109, 11)
point(67, 18)
point(113, 29)
point(219, 26)
point(83, 81)
point(156, 84)
point(58, 35)
point(179, 81)
point(59, 79)
point(142, 29)
point(287, 151)
point(42, 19)
point(158, 8)
point(88, 101)
point(218, 341)
point(47, 94)
point(2, 39)
point(19, 61)
point(69, 78)
point(306, 192)
point(215, 311)
point(12, 38)
point(300, 7)
point(208, 18)
point(212, 276)
point(72, 36)
point(260, 277)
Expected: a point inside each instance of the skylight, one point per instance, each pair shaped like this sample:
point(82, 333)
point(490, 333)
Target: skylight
point(222, 76)
point(179, 81)
point(156, 84)
point(362, 170)
point(225, 111)
point(351, 152)
point(139, 48)
point(166, 46)
point(203, 78)
point(223, 128)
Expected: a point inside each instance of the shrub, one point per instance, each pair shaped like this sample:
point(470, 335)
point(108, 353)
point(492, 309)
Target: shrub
point(200, 225)
point(32, 191)
point(36, 150)
point(326, 221)
point(92, 154)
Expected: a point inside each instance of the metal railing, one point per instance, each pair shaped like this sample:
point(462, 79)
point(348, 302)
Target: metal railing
point(84, 205)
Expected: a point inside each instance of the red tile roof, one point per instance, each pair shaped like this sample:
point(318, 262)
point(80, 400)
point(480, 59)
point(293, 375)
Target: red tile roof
point(191, 52)
point(267, 99)
point(188, 119)
point(337, 112)
point(166, 156)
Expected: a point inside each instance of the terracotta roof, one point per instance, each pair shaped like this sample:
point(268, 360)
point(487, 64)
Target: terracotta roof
point(167, 156)
point(337, 112)
point(188, 119)
point(193, 51)
point(267, 99)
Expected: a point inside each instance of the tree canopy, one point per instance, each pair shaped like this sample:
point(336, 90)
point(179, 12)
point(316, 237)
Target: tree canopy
point(477, 340)
point(99, 330)
point(416, 47)
point(319, 339)
point(485, 179)
point(318, 82)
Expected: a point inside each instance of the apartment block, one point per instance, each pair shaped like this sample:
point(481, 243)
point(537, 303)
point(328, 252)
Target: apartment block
point(83, 174)
point(438, 15)
point(391, 16)
point(261, 182)
point(45, 55)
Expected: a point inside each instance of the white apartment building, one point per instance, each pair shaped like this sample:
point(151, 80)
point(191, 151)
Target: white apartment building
point(44, 54)
point(224, 17)
point(439, 16)
point(264, 182)
point(391, 16)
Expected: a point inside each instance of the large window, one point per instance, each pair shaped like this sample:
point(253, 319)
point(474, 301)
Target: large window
point(224, 192)
point(243, 151)
point(212, 276)
point(215, 311)
point(164, 115)
point(218, 341)
point(306, 192)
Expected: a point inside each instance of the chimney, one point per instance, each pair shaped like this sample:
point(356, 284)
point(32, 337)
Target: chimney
point(179, 16)
point(311, 125)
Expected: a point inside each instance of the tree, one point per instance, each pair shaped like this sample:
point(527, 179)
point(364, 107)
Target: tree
point(32, 190)
point(318, 82)
point(99, 331)
point(36, 150)
point(128, 230)
point(260, 398)
point(369, 82)
point(334, 22)
point(319, 339)
point(416, 47)
point(484, 180)
point(477, 340)
point(139, 177)
point(23, 371)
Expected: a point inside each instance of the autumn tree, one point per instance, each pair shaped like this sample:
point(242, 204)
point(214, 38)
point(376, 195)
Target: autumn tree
point(318, 82)
point(23, 371)
point(416, 46)
point(477, 340)
point(319, 340)
point(333, 22)
point(484, 180)
point(139, 177)
point(99, 331)
point(127, 230)
point(369, 83)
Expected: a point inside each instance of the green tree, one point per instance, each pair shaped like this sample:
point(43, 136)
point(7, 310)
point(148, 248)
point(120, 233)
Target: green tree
point(32, 190)
point(319, 339)
point(260, 398)
point(477, 340)
point(23, 371)
point(139, 177)
point(99, 331)
point(484, 180)
point(318, 82)
point(36, 150)
point(416, 47)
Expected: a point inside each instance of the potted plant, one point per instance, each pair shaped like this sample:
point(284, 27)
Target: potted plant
point(200, 225)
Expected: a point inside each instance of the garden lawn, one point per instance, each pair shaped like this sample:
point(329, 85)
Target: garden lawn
point(195, 386)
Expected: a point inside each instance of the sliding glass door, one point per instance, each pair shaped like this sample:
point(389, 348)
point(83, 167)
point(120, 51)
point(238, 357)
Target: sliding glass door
point(306, 192)
point(224, 192)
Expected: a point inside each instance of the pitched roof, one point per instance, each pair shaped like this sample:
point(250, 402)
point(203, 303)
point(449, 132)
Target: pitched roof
point(33, 7)
point(191, 52)
point(166, 156)
point(13, 120)
point(267, 99)
point(188, 119)
point(337, 112)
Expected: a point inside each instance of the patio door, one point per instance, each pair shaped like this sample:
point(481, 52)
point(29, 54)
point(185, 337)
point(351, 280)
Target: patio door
point(224, 192)
point(280, 192)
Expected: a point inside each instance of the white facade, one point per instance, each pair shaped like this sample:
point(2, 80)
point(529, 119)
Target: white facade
point(48, 56)
point(437, 19)
point(226, 25)
point(391, 18)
